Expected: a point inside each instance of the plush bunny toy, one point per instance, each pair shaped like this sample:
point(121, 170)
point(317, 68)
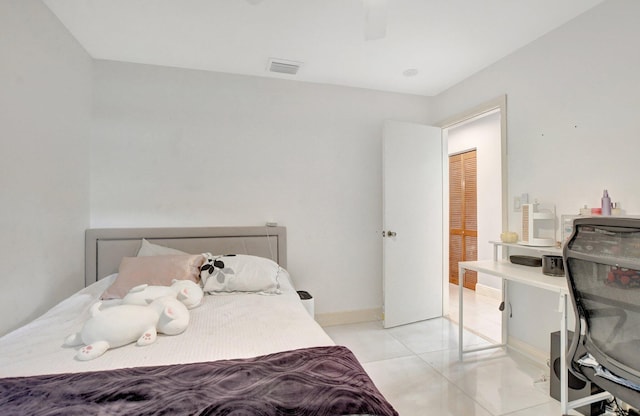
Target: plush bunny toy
point(186, 291)
point(123, 324)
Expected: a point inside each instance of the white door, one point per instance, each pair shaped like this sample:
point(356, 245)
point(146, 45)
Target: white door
point(412, 222)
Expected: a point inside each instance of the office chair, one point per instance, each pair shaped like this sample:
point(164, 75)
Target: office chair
point(602, 264)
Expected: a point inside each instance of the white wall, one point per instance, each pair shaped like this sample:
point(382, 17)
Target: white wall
point(45, 106)
point(175, 147)
point(572, 109)
point(178, 147)
point(483, 135)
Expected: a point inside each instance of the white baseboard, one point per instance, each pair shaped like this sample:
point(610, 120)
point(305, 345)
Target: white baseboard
point(540, 357)
point(349, 317)
point(488, 291)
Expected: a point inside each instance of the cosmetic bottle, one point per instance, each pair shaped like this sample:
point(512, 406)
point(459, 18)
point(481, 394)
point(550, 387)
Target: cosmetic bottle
point(606, 203)
point(616, 210)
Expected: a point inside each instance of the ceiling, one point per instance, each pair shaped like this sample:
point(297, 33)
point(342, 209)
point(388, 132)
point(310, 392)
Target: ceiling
point(444, 41)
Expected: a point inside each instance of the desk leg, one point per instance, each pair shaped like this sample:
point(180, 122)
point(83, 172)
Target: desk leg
point(564, 389)
point(505, 313)
point(460, 324)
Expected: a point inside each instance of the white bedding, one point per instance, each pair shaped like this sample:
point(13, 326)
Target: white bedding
point(223, 327)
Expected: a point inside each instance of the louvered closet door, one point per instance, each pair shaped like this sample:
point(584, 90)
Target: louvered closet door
point(463, 220)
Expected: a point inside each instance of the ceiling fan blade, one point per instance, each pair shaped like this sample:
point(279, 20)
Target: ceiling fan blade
point(375, 23)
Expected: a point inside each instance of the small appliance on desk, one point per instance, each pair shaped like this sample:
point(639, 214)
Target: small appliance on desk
point(534, 220)
point(526, 260)
point(552, 265)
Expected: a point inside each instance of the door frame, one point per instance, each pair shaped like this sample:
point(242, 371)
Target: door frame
point(498, 103)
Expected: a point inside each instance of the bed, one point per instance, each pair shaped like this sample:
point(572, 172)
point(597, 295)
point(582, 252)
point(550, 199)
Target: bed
point(242, 353)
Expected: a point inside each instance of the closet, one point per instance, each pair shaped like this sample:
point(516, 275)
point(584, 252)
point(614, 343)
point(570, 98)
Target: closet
point(463, 222)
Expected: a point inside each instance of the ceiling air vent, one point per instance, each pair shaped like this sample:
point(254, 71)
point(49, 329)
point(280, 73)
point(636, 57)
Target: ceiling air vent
point(283, 66)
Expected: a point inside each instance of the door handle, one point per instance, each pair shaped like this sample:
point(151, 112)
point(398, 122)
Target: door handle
point(391, 233)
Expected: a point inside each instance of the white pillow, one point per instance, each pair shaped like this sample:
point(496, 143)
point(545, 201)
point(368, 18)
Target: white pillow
point(150, 249)
point(239, 273)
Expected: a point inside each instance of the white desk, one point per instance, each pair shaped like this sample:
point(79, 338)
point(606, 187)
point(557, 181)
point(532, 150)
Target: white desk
point(531, 276)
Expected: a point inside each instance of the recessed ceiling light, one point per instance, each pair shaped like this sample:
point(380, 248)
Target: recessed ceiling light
point(411, 72)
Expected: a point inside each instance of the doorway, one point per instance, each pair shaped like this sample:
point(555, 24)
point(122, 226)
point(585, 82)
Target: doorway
point(463, 216)
point(482, 187)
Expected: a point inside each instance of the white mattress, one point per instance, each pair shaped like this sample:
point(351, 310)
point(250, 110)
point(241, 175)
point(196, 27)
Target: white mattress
point(223, 327)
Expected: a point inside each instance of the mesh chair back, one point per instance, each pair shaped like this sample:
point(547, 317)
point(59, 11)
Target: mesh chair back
point(602, 262)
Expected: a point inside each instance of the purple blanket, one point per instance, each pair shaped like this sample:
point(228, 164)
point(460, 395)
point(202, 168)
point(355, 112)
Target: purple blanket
point(312, 381)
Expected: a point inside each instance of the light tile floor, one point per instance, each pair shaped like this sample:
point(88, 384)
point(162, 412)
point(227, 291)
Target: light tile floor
point(481, 313)
point(416, 367)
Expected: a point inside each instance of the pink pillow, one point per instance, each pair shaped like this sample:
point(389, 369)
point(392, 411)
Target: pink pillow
point(153, 270)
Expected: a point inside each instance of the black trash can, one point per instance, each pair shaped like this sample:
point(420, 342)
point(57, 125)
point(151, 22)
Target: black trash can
point(307, 302)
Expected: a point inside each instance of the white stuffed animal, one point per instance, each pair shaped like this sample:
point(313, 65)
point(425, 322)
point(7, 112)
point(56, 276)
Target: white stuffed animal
point(123, 324)
point(187, 291)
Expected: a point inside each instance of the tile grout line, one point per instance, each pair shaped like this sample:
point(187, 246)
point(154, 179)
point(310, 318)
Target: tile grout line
point(440, 374)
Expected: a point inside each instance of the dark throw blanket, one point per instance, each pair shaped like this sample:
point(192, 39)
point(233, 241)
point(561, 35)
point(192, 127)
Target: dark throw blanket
point(312, 381)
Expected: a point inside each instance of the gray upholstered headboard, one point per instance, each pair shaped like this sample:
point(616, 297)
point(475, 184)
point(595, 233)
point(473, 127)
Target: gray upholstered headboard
point(105, 247)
